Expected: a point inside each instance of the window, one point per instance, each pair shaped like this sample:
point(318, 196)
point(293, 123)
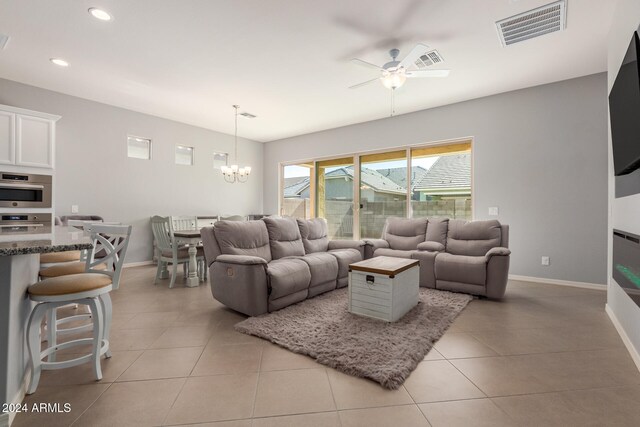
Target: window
point(383, 190)
point(184, 155)
point(296, 192)
point(219, 160)
point(138, 148)
point(334, 196)
point(356, 194)
point(441, 181)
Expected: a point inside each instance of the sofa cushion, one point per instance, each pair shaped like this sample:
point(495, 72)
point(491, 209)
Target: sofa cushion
point(314, 233)
point(284, 237)
point(287, 276)
point(344, 258)
point(461, 268)
point(437, 229)
point(243, 238)
point(473, 238)
point(322, 266)
point(393, 253)
point(404, 234)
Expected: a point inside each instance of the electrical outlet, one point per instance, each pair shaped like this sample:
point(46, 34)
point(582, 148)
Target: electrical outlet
point(74, 209)
point(493, 211)
point(546, 260)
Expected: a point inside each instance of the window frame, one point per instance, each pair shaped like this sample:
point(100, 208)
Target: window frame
point(193, 155)
point(226, 157)
point(130, 136)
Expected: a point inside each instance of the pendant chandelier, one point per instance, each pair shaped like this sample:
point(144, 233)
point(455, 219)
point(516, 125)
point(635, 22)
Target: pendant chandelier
point(234, 173)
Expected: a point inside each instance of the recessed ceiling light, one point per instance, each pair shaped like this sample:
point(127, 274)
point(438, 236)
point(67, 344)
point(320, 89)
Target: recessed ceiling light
point(100, 14)
point(59, 62)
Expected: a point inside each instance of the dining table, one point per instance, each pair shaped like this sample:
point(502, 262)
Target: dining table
point(191, 238)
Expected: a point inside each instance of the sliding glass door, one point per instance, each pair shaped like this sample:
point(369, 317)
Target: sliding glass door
point(334, 196)
point(297, 190)
point(356, 194)
point(383, 190)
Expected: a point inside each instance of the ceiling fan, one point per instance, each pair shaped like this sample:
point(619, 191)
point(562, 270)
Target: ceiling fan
point(394, 73)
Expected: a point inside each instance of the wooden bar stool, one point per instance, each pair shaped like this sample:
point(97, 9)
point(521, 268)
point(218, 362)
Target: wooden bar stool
point(90, 288)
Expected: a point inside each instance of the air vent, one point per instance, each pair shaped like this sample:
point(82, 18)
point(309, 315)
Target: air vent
point(248, 115)
point(428, 59)
point(3, 41)
point(534, 23)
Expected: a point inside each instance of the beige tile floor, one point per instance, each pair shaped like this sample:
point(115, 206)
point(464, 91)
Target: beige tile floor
point(544, 356)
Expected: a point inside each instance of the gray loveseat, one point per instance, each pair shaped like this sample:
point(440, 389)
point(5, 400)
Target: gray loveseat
point(261, 266)
point(454, 255)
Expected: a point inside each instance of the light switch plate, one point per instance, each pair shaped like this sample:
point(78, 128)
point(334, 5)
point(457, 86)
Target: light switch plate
point(493, 210)
point(74, 209)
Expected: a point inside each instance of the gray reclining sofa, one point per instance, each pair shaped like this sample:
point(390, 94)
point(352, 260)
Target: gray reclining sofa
point(454, 255)
point(262, 266)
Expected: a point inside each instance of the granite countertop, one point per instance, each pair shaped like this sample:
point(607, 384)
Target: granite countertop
point(61, 239)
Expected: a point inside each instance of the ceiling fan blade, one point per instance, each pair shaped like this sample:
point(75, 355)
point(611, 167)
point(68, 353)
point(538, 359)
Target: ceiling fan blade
point(415, 53)
point(366, 64)
point(427, 73)
point(364, 83)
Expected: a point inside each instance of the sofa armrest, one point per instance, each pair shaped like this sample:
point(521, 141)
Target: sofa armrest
point(241, 259)
point(346, 244)
point(372, 244)
point(431, 246)
point(497, 251)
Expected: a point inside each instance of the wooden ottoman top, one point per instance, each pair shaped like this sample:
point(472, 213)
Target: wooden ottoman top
point(386, 265)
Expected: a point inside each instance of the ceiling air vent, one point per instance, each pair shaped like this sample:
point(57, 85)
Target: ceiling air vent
point(248, 115)
point(3, 41)
point(534, 23)
point(428, 59)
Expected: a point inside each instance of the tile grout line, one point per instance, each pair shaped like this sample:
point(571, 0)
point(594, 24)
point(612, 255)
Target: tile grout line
point(175, 399)
point(255, 393)
point(91, 404)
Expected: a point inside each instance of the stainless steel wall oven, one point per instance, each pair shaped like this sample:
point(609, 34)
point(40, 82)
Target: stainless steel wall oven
point(18, 190)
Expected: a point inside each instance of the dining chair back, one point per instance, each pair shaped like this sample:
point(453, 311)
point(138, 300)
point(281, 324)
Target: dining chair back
point(184, 222)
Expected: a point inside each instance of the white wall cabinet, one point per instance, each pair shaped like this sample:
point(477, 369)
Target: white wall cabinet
point(27, 138)
point(7, 138)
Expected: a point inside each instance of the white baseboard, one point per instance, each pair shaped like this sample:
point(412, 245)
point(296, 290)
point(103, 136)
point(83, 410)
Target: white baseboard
point(7, 418)
point(137, 264)
point(584, 285)
point(633, 352)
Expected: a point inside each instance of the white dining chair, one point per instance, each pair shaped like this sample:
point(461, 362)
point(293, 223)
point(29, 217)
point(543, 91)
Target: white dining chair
point(167, 250)
point(184, 222)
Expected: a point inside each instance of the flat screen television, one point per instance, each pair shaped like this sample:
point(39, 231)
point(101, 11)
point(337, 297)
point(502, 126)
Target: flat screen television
point(624, 112)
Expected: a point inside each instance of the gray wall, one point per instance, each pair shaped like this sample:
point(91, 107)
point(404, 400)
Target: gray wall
point(94, 172)
point(624, 210)
point(539, 155)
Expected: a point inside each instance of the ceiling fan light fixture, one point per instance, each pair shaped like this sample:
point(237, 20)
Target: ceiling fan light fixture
point(393, 80)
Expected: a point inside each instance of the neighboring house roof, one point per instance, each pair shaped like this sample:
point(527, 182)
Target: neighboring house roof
point(448, 174)
point(399, 175)
point(370, 178)
point(293, 187)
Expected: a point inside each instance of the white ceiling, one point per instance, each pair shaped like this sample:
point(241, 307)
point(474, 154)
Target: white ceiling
point(287, 61)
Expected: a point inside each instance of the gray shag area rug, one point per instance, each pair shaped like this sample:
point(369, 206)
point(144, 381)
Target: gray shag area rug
point(387, 353)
